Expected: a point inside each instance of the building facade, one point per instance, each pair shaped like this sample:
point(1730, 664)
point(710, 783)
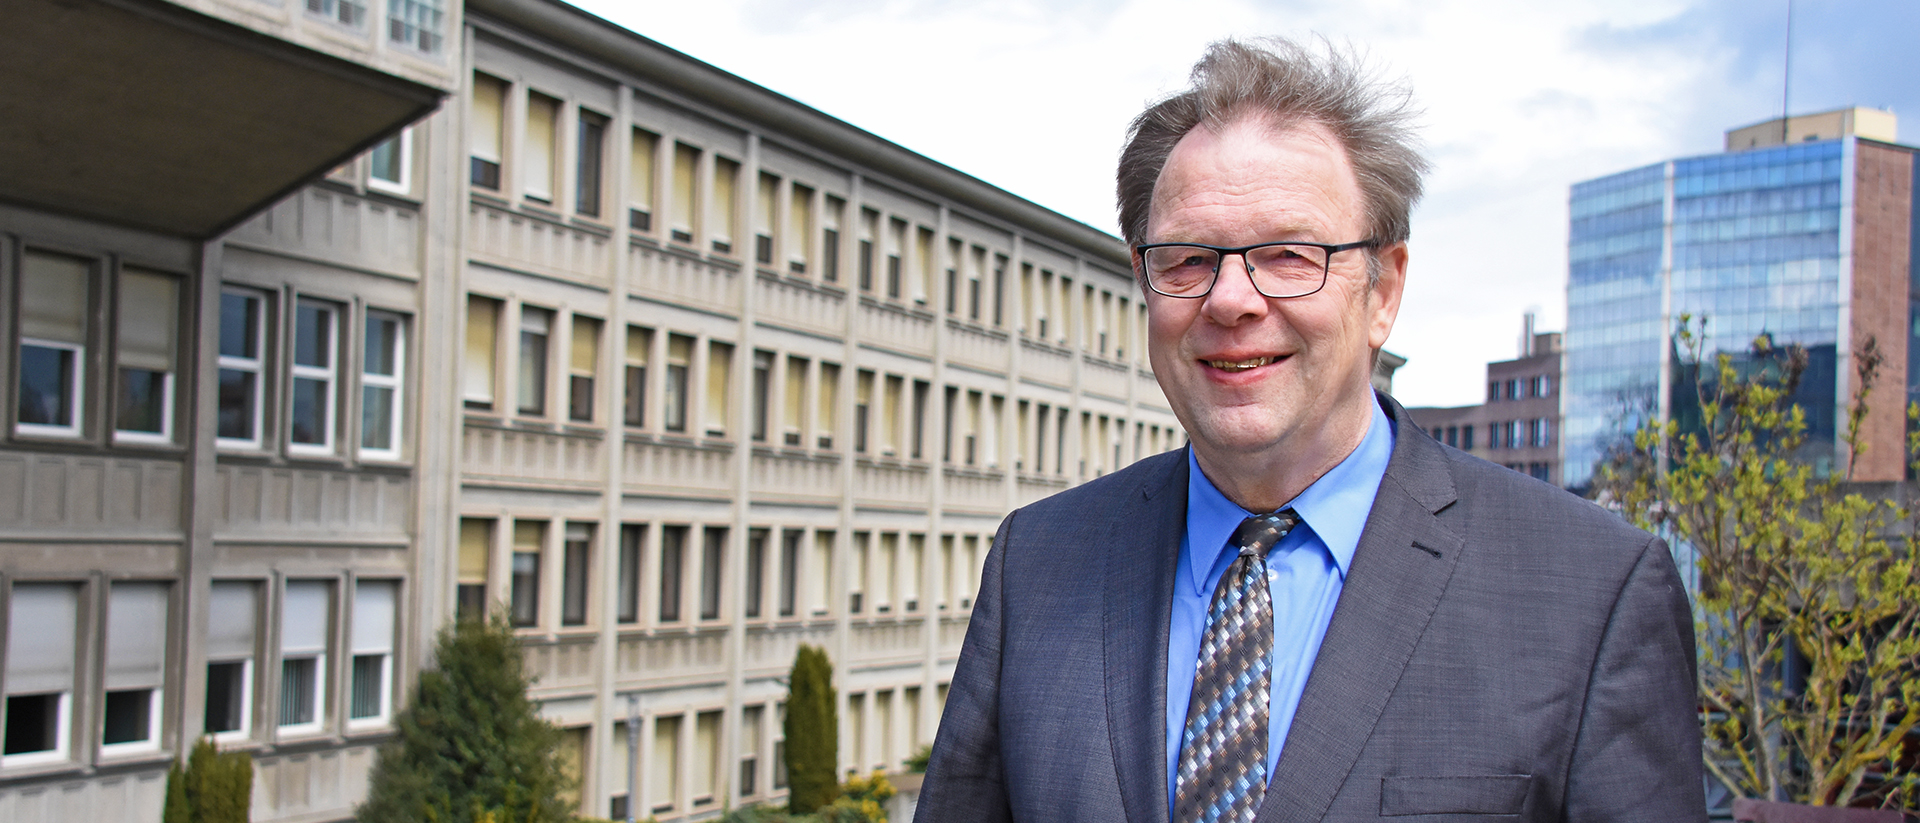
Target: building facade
point(1809, 242)
point(1519, 424)
point(677, 372)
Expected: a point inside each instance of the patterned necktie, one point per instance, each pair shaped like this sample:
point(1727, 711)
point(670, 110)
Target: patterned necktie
point(1223, 752)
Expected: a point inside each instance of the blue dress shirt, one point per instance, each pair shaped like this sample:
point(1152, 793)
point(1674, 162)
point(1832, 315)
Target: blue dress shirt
point(1305, 573)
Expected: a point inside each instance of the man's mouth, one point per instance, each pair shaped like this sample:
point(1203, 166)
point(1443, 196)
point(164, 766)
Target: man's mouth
point(1241, 365)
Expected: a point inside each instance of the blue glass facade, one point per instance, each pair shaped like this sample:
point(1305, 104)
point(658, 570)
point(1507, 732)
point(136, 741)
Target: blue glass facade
point(1751, 241)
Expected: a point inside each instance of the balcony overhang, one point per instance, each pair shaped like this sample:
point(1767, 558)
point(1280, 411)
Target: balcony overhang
point(144, 114)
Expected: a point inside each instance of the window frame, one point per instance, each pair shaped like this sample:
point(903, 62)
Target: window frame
point(169, 379)
point(395, 383)
point(76, 386)
point(255, 366)
point(403, 149)
point(328, 376)
point(356, 651)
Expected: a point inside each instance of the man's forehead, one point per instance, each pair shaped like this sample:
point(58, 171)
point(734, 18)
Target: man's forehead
point(1246, 157)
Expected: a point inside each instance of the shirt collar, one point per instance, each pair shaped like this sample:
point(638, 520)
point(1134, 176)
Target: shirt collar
point(1334, 507)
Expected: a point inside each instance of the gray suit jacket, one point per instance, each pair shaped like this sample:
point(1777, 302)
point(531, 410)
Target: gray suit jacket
point(1502, 650)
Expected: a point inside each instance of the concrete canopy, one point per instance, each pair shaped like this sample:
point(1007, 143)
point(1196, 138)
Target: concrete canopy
point(145, 114)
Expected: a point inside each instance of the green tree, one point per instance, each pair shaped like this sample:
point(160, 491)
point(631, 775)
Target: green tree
point(212, 788)
point(812, 730)
point(469, 746)
point(1808, 591)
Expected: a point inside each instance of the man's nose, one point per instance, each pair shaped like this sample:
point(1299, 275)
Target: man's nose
point(1233, 296)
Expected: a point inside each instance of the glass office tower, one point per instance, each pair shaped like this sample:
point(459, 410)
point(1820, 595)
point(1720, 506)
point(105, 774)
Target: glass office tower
point(1760, 241)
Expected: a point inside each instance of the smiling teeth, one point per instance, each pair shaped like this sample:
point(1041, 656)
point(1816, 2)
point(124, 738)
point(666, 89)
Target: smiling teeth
point(1240, 365)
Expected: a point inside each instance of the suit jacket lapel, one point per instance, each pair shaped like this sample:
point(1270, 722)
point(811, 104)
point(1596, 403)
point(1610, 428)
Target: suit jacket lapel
point(1139, 601)
point(1401, 568)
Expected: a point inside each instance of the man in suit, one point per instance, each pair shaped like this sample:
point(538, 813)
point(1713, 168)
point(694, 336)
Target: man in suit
point(1315, 612)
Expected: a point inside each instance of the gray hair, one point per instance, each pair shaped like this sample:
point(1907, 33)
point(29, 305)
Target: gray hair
point(1277, 79)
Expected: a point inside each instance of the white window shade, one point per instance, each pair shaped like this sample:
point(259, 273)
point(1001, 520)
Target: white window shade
point(136, 636)
point(485, 128)
point(149, 311)
point(586, 345)
point(483, 322)
point(41, 632)
point(542, 116)
point(53, 297)
point(373, 616)
point(232, 611)
point(686, 162)
point(303, 618)
point(726, 177)
point(640, 170)
point(476, 546)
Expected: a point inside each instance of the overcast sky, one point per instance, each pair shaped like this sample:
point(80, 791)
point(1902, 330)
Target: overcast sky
point(1521, 99)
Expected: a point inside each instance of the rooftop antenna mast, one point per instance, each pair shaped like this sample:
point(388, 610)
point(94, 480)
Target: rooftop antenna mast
point(1786, 78)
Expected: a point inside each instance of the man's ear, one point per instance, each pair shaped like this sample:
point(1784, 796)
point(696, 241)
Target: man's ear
point(1383, 297)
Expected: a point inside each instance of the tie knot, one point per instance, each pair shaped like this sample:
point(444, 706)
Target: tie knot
point(1258, 534)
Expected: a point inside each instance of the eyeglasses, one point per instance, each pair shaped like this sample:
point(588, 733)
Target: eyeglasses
point(1278, 270)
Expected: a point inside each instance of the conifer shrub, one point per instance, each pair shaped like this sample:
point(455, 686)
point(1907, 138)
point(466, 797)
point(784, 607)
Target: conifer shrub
point(812, 730)
point(212, 788)
point(469, 746)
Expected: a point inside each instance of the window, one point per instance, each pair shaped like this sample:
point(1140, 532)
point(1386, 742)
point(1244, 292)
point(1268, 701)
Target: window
point(799, 242)
point(582, 365)
point(1466, 438)
point(535, 327)
point(830, 239)
point(135, 666)
point(827, 403)
point(766, 207)
point(726, 187)
point(147, 342)
point(55, 304)
point(789, 569)
point(477, 368)
point(1000, 290)
point(640, 192)
point(523, 604)
point(750, 733)
point(923, 266)
point(674, 401)
point(664, 780)
point(673, 540)
point(910, 563)
point(762, 385)
point(416, 23)
point(476, 559)
point(304, 623)
point(796, 395)
point(869, 230)
point(896, 246)
point(686, 165)
point(820, 573)
point(42, 633)
point(885, 563)
point(890, 405)
point(862, 409)
point(375, 613)
point(345, 12)
point(857, 571)
point(756, 572)
point(232, 612)
point(587, 163)
point(489, 98)
point(639, 349)
point(313, 397)
point(633, 541)
point(920, 389)
point(576, 560)
point(380, 380)
point(719, 380)
point(537, 153)
point(390, 164)
point(706, 761)
point(713, 556)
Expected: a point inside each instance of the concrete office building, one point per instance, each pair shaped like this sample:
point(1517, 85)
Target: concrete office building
point(1802, 230)
point(1518, 426)
point(679, 372)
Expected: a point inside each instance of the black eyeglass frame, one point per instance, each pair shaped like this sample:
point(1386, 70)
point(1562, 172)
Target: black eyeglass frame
point(1220, 253)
